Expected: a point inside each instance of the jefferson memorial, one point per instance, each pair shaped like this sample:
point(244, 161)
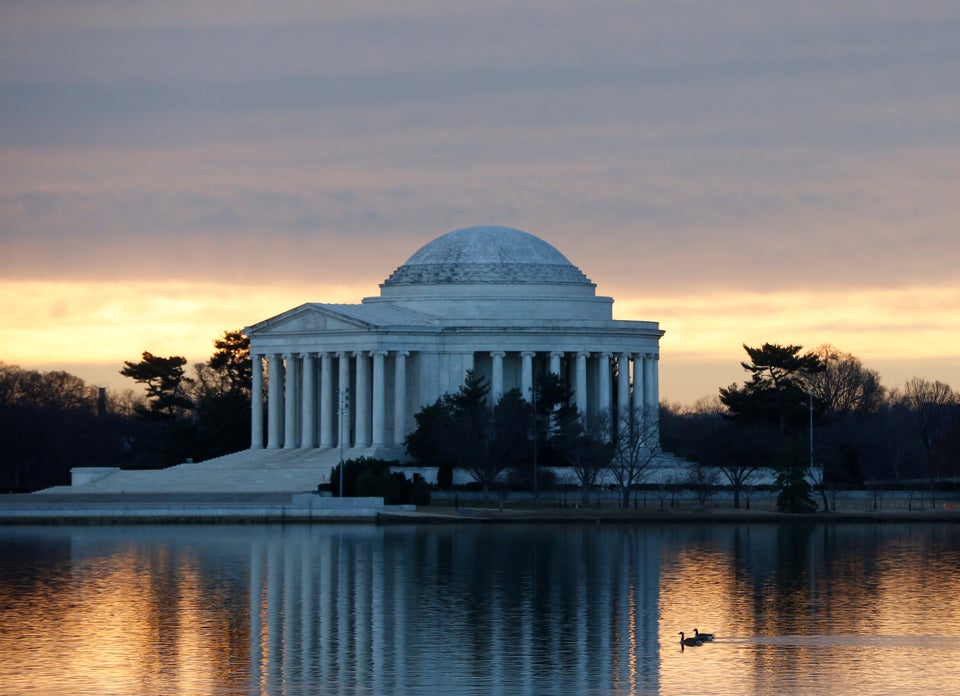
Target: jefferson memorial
point(345, 380)
point(491, 299)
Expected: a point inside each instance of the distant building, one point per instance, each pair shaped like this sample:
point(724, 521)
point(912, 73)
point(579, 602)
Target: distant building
point(492, 299)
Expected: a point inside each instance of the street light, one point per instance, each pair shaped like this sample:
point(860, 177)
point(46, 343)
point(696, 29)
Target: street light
point(536, 484)
point(810, 394)
point(343, 405)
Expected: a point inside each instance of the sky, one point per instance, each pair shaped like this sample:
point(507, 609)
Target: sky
point(741, 172)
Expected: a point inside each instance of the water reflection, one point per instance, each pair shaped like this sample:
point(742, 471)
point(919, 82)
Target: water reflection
point(512, 609)
point(506, 610)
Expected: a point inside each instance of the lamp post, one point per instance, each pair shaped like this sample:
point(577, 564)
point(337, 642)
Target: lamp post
point(810, 394)
point(536, 483)
point(343, 406)
point(822, 482)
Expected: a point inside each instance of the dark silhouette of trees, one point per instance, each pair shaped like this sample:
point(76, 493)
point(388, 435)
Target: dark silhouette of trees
point(168, 404)
point(231, 363)
point(51, 422)
point(777, 391)
point(222, 398)
point(851, 398)
point(928, 410)
point(463, 431)
point(779, 394)
point(167, 386)
point(844, 387)
point(204, 416)
point(427, 442)
point(590, 452)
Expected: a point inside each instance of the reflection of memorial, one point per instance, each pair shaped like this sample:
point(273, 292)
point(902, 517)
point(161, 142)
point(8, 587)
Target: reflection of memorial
point(397, 610)
point(468, 610)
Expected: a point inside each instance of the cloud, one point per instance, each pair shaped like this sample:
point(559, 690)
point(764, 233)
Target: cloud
point(675, 151)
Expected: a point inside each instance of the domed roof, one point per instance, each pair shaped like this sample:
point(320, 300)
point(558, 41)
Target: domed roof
point(487, 254)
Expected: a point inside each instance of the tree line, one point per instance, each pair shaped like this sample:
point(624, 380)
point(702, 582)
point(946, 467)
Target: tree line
point(821, 415)
point(805, 415)
point(817, 419)
point(53, 421)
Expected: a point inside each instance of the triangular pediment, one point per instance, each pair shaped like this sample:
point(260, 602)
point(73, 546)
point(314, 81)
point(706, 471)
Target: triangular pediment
point(308, 318)
point(315, 317)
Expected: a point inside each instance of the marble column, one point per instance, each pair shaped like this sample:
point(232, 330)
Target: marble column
point(379, 399)
point(400, 398)
point(581, 385)
point(639, 393)
point(290, 403)
point(651, 397)
point(327, 411)
point(496, 386)
point(362, 399)
point(603, 385)
point(275, 403)
point(653, 403)
point(555, 362)
point(256, 403)
point(343, 387)
point(623, 392)
point(526, 374)
point(308, 428)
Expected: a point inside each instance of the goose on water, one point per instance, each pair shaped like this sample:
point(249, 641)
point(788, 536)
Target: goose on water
point(689, 641)
point(702, 636)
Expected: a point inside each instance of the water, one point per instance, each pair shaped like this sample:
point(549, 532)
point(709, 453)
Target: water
point(479, 609)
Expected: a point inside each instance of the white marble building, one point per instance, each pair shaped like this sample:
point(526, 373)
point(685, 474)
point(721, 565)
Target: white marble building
point(492, 299)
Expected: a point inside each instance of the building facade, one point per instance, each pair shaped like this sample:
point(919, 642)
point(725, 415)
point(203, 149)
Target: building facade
point(491, 299)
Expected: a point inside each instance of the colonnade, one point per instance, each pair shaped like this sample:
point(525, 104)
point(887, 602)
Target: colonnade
point(363, 401)
point(310, 403)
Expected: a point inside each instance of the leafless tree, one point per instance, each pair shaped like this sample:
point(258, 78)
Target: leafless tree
point(932, 408)
point(703, 480)
point(742, 452)
point(845, 386)
point(590, 452)
point(635, 448)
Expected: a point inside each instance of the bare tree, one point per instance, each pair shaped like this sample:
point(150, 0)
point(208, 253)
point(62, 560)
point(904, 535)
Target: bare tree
point(932, 408)
point(703, 480)
point(635, 448)
point(737, 451)
point(845, 387)
point(590, 452)
point(742, 452)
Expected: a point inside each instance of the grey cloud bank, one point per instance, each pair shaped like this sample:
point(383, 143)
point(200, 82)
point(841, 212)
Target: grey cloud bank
point(664, 147)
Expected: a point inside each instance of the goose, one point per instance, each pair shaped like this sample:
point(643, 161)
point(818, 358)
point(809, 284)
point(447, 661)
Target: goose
point(702, 636)
point(689, 641)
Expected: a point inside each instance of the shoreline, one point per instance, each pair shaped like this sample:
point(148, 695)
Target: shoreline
point(226, 508)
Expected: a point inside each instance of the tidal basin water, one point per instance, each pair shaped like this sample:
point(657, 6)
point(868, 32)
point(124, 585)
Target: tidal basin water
point(463, 610)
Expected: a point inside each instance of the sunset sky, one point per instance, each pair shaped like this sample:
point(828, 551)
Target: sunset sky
point(742, 171)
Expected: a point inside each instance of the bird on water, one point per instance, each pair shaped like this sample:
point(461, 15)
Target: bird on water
point(702, 636)
point(689, 641)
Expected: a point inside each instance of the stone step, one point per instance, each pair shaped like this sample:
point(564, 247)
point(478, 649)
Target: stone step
point(249, 471)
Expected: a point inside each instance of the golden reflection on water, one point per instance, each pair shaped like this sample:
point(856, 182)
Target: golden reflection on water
point(123, 619)
point(794, 606)
point(514, 610)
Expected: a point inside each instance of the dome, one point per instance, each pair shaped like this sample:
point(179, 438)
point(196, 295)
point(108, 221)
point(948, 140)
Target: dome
point(487, 254)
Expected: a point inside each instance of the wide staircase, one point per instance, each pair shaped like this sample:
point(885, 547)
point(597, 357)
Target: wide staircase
point(249, 471)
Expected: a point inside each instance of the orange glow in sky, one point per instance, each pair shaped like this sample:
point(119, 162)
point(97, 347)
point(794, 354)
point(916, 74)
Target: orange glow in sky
point(740, 173)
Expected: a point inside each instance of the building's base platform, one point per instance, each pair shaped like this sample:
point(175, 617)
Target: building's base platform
point(250, 471)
